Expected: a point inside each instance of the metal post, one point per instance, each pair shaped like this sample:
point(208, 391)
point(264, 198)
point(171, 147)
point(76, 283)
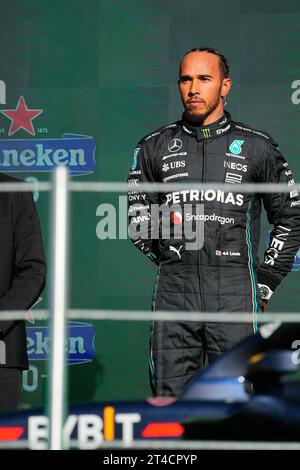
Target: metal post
point(59, 290)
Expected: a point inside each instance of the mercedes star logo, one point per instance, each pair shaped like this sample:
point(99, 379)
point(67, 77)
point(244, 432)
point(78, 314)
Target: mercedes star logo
point(175, 145)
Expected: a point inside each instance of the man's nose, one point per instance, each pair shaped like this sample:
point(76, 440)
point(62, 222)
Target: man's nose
point(194, 88)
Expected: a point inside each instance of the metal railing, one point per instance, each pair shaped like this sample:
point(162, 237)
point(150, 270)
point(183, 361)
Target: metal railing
point(143, 315)
point(111, 187)
point(59, 312)
point(59, 292)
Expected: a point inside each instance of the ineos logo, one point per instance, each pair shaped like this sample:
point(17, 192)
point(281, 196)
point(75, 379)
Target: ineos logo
point(175, 145)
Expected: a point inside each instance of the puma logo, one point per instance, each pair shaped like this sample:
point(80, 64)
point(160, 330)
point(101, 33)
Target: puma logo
point(172, 248)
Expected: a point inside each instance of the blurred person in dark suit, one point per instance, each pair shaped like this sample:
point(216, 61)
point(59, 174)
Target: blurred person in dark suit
point(22, 279)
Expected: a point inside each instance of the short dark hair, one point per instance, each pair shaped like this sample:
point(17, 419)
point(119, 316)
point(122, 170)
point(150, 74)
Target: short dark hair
point(224, 67)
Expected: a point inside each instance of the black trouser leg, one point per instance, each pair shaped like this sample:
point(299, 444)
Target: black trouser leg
point(10, 389)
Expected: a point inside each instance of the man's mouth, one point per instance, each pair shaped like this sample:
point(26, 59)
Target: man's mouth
point(195, 101)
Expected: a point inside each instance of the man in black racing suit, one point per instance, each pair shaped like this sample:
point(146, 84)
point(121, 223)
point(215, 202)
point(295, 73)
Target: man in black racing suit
point(223, 272)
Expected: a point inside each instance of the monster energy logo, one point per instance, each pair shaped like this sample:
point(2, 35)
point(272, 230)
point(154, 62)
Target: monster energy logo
point(206, 133)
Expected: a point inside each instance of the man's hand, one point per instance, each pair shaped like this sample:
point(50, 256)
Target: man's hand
point(265, 293)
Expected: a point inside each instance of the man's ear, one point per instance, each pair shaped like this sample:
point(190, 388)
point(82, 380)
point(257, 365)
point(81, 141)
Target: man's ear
point(226, 85)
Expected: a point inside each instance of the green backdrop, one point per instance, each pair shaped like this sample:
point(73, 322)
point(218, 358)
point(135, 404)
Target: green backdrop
point(108, 69)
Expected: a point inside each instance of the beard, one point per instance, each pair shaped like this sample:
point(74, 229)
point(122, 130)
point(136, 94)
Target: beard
point(198, 118)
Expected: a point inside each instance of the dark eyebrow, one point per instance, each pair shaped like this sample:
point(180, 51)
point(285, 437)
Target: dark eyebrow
point(185, 77)
point(188, 77)
point(204, 76)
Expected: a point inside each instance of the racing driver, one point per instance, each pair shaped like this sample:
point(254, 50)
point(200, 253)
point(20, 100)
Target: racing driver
point(222, 272)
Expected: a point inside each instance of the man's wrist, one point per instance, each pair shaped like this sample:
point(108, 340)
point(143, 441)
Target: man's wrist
point(265, 291)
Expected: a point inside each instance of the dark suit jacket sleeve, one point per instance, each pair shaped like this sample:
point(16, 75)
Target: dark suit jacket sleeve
point(29, 271)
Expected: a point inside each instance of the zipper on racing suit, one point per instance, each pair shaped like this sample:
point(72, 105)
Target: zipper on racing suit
point(203, 178)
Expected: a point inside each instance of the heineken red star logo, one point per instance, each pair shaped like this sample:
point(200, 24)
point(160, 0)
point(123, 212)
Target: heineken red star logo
point(21, 117)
